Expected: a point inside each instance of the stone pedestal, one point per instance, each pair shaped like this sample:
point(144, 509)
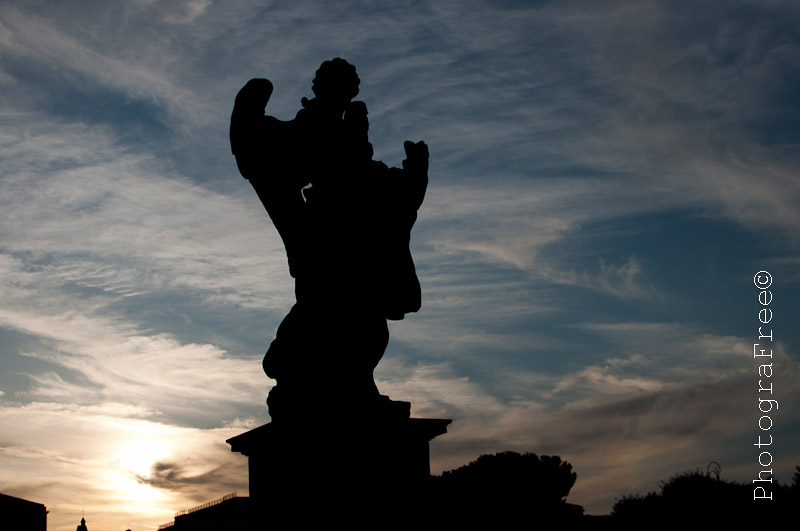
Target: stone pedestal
point(343, 470)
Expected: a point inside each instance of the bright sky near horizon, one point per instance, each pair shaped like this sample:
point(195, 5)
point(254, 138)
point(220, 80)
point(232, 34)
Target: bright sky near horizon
point(605, 181)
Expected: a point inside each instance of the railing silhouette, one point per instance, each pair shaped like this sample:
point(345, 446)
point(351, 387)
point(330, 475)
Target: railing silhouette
point(208, 504)
point(183, 512)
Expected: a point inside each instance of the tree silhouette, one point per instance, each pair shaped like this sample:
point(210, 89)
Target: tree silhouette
point(547, 479)
point(506, 486)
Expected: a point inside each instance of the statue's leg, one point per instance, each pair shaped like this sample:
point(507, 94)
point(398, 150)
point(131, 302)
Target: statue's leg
point(278, 359)
point(323, 361)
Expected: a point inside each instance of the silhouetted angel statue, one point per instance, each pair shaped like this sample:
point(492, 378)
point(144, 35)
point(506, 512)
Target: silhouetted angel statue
point(346, 221)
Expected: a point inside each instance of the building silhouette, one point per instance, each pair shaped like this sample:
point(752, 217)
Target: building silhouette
point(22, 515)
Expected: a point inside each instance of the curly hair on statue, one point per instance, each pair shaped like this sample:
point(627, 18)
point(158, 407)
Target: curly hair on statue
point(336, 78)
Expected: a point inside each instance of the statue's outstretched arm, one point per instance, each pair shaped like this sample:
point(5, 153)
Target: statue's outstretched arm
point(416, 169)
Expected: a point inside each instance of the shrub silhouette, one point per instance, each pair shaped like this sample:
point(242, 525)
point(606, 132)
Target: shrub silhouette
point(696, 497)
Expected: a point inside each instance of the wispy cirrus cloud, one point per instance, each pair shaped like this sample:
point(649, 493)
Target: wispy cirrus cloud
point(119, 220)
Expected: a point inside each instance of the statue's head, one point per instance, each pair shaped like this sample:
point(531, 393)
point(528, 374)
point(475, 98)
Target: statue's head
point(336, 82)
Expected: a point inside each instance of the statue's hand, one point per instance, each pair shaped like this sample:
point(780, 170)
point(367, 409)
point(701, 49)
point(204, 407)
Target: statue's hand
point(416, 157)
point(357, 110)
point(355, 117)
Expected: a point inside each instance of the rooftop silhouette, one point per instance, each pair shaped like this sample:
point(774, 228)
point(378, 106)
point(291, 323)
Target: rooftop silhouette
point(18, 513)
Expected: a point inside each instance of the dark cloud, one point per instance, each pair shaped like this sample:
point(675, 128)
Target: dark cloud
point(183, 478)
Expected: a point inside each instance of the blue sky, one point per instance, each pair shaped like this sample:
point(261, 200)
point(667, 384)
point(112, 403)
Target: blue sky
point(605, 180)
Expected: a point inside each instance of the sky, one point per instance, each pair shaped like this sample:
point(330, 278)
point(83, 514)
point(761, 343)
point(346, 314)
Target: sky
point(606, 180)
